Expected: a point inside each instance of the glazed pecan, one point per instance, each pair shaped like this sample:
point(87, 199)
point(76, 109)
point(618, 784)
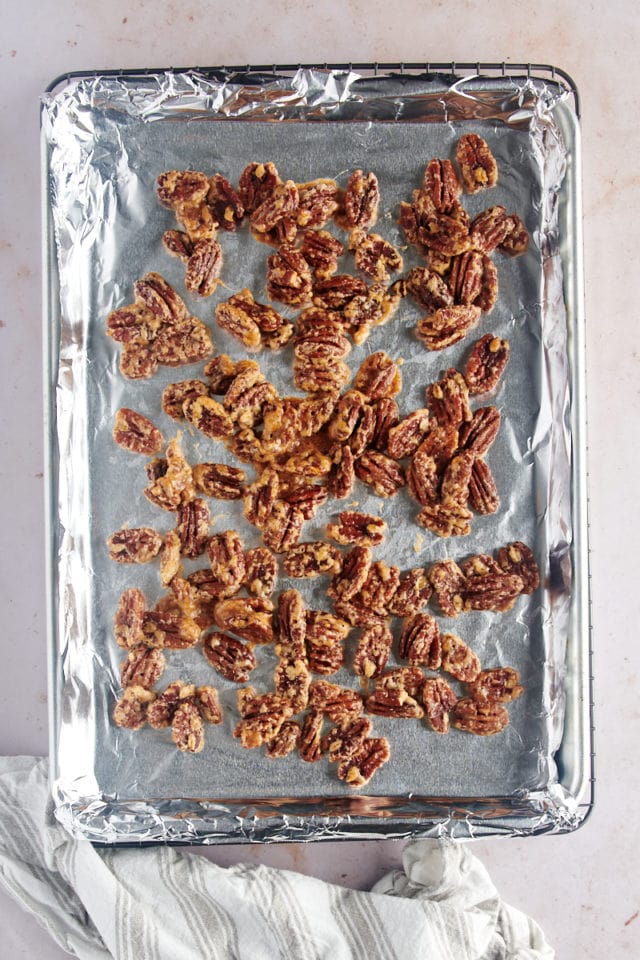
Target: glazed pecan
point(361, 199)
point(291, 680)
point(489, 229)
point(133, 324)
point(516, 241)
point(486, 364)
point(378, 376)
point(292, 625)
point(314, 412)
point(458, 659)
point(312, 559)
point(483, 493)
point(386, 416)
point(225, 204)
point(428, 289)
point(405, 438)
point(282, 528)
point(264, 725)
point(289, 277)
point(197, 220)
point(249, 617)
point(380, 472)
point(517, 558)
point(131, 709)
point(337, 292)
point(357, 612)
point(173, 483)
point(380, 587)
point(450, 519)
point(363, 529)
point(143, 667)
point(208, 589)
point(309, 461)
point(376, 257)
point(220, 372)
point(438, 700)
point(206, 700)
point(159, 297)
point(479, 565)
point(233, 659)
point(169, 628)
point(235, 316)
point(454, 489)
point(260, 571)
point(203, 267)
point(446, 233)
point(320, 337)
point(346, 414)
point(257, 182)
point(446, 326)
point(321, 250)
point(134, 545)
point(448, 582)
point(187, 728)
point(500, 685)
point(393, 702)
point(422, 478)
point(219, 480)
point(170, 557)
point(340, 704)
point(320, 376)
point(136, 433)
point(186, 341)
point(138, 361)
point(317, 202)
point(308, 497)
point(448, 399)
point(441, 183)
point(413, 593)
point(473, 280)
point(410, 679)
point(477, 434)
point(227, 560)
point(180, 186)
point(175, 394)
point(285, 741)
point(344, 742)
point(483, 718)
point(343, 474)
point(310, 743)
point(282, 202)
point(356, 564)
point(160, 712)
point(373, 651)
point(127, 622)
point(192, 526)
point(477, 164)
point(420, 641)
point(324, 638)
point(209, 416)
point(260, 498)
point(358, 770)
point(492, 591)
point(362, 436)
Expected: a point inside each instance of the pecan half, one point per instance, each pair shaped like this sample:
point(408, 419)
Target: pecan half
point(446, 326)
point(490, 228)
point(206, 700)
point(359, 769)
point(235, 316)
point(282, 202)
point(131, 709)
point(478, 167)
point(133, 324)
point(127, 622)
point(376, 257)
point(356, 565)
point(438, 700)
point(174, 484)
point(394, 702)
point(180, 186)
point(307, 498)
point(362, 529)
point(380, 587)
point(380, 472)
point(224, 203)
point(160, 298)
point(249, 617)
point(310, 743)
point(448, 399)
point(257, 182)
point(405, 438)
point(283, 526)
point(184, 342)
point(171, 629)
point(448, 582)
point(219, 480)
point(187, 728)
point(289, 277)
point(317, 202)
point(343, 742)
point(134, 545)
point(378, 377)
point(483, 493)
point(477, 434)
point(170, 557)
point(210, 417)
point(361, 199)
point(325, 637)
point(197, 219)
point(357, 612)
point(260, 571)
point(292, 625)
point(500, 685)
point(136, 433)
point(516, 242)
point(428, 289)
point(454, 489)
point(420, 641)
point(321, 250)
point(346, 414)
point(373, 651)
point(203, 267)
point(473, 280)
point(483, 718)
point(337, 292)
point(458, 659)
point(143, 667)
point(387, 416)
point(192, 526)
point(175, 394)
point(517, 558)
point(343, 474)
point(412, 593)
point(410, 679)
point(162, 709)
point(220, 372)
point(338, 703)
point(422, 478)
point(441, 183)
point(227, 560)
point(486, 364)
point(312, 559)
point(291, 680)
point(233, 659)
point(448, 519)
point(285, 741)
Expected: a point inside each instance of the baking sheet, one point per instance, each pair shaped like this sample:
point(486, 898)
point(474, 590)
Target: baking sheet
point(106, 140)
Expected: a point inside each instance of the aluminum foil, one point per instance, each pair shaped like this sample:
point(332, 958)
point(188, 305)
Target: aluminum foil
point(105, 141)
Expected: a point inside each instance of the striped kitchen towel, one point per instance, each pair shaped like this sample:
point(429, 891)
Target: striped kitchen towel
point(166, 904)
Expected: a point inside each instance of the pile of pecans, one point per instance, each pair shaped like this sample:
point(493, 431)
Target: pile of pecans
point(307, 450)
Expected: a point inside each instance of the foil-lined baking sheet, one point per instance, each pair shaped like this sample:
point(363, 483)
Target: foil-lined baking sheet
point(106, 139)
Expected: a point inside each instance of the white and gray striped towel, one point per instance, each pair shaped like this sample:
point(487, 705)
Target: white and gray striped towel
point(164, 903)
